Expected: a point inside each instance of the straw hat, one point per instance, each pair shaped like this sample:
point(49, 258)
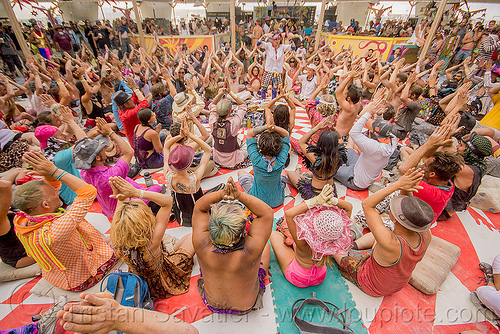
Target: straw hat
point(181, 100)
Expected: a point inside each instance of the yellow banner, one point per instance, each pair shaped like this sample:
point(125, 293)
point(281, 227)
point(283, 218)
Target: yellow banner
point(360, 44)
point(171, 43)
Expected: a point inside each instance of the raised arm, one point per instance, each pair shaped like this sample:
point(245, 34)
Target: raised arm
point(387, 243)
point(440, 137)
point(262, 225)
point(126, 150)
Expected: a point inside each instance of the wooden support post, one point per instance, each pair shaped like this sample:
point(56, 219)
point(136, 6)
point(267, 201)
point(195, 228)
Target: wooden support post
point(17, 30)
point(434, 26)
point(139, 23)
point(232, 14)
point(320, 24)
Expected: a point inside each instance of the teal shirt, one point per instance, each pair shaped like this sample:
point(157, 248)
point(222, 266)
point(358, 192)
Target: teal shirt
point(267, 186)
point(64, 160)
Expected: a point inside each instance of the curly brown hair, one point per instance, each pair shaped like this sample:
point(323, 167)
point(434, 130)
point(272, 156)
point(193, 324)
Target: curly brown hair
point(446, 165)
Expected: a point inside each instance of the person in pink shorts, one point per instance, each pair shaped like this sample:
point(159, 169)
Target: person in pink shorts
point(319, 227)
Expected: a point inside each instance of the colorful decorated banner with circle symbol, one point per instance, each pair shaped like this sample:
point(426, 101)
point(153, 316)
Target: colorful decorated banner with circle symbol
point(173, 43)
point(381, 46)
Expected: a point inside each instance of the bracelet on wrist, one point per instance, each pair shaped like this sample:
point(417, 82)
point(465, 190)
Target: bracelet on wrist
point(141, 196)
point(55, 170)
point(61, 175)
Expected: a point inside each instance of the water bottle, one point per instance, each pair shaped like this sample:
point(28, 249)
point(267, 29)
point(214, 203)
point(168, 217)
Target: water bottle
point(148, 179)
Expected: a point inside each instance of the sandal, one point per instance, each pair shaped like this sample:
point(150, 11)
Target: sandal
point(487, 269)
point(489, 314)
point(282, 227)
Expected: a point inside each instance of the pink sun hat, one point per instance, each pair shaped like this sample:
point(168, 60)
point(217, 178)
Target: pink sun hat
point(43, 133)
point(326, 230)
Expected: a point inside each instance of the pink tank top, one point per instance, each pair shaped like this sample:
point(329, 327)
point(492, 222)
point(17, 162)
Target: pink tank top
point(378, 281)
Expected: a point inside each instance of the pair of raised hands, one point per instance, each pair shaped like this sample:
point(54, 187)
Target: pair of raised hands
point(325, 198)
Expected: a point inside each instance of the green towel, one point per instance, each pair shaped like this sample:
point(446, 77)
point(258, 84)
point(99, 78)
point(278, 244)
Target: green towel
point(333, 289)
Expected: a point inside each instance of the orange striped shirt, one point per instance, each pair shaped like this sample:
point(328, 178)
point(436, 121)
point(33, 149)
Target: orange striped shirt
point(77, 247)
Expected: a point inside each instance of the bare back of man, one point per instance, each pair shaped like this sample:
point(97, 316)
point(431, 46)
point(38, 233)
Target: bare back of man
point(233, 264)
point(346, 119)
point(232, 280)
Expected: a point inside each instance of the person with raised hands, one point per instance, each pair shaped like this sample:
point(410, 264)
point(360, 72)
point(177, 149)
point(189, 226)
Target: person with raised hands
point(233, 259)
point(77, 257)
point(323, 159)
point(91, 159)
point(137, 237)
point(227, 152)
point(99, 313)
point(439, 168)
point(183, 183)
point(348, 97)
point(405, 116)
point(268, 155)
point(129, 105)
point(360, 171)
point(393, 255)
point(320, 227)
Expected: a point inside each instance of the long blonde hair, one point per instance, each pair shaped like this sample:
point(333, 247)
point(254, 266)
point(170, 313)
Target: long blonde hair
point(132, 227)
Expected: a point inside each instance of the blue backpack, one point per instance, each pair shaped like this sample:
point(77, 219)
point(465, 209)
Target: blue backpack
point(128, 289)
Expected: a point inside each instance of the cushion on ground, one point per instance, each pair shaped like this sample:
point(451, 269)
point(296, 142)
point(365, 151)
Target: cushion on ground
point(431, 272)
point(487, 198)
point(44, 288)
point(9, 273)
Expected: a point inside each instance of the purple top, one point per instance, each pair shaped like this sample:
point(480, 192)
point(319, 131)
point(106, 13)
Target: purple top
point(99, 176)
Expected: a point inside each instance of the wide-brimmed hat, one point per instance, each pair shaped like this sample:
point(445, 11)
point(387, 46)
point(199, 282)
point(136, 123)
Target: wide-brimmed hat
point(43, 133)
point(223, 108)
point(87, 149)
point(121, 97)
point(339, 73)
point(58, 27)
point(412, 213)
point(181, 100)
point(180, 158)
point(325, 229)
point(312, 67)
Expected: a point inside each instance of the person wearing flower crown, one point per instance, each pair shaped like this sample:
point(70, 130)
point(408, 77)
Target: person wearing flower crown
point(320, 227)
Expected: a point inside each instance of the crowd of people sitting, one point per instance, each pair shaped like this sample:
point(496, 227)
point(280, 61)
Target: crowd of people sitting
point(96, 118)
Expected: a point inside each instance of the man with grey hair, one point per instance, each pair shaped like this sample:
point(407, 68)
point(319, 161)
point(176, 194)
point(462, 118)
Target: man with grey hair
point(233, 262)
point(227, 151)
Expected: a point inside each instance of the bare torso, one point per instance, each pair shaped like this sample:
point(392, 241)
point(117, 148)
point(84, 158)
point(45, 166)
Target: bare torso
point(231, 280)
point(346, 120)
